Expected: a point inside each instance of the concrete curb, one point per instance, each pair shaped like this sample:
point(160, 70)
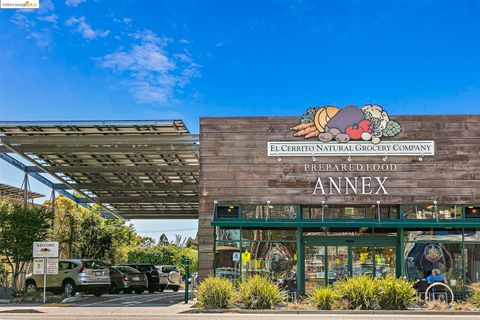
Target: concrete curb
point(336, 312)
point(5, 301)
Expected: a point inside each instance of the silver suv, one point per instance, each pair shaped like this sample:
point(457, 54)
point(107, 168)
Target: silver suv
point(169, 278)
point(74, 275)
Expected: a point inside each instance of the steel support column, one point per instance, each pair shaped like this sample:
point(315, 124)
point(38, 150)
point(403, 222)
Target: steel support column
point(300, 262)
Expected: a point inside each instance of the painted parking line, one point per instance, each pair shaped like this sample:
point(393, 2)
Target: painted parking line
point(134, 299)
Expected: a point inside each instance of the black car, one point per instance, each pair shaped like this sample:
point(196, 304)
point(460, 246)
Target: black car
point(152, 275)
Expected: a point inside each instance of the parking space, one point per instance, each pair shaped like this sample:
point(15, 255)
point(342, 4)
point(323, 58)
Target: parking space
point(158, 299)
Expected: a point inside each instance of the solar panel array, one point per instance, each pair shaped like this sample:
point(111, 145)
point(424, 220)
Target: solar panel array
point(136, 169)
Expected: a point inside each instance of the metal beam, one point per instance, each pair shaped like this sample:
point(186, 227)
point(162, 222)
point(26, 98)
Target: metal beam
point(14, 162)
point(148, 199)
point(110, 139)
point(157, 214)
point(89, 123)
point(24, 156)
point(114, 168)
point(161, 216)
point(136, 187)
point(89, 149)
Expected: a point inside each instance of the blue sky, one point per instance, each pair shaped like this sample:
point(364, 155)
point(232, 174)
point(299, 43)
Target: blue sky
point(89, 59)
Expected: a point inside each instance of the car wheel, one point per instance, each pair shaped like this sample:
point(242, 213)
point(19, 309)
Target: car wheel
point(175, 289)
point(30, 286)
point(98, 293)
point(69, 288)
point(127, 291)
point(139, 291)
point(161, 289)
point(151, 290)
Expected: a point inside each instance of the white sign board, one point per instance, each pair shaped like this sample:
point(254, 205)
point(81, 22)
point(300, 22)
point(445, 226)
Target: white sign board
point(38, 266)
point(353, 148)
point(52, 266)
point(236, 256)
point(45, 249)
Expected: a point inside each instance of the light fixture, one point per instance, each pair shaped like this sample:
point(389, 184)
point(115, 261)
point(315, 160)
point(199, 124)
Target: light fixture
point(349, 157)
point(313, 157)
point(231, 207)
point(215, 201)
point(279, 159)
point(385, 158)
point(420, 158)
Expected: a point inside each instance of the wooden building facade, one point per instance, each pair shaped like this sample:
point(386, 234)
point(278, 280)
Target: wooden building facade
point(309, 220)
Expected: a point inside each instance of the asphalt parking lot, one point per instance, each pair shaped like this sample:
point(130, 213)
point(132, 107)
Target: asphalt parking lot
point(157, 299)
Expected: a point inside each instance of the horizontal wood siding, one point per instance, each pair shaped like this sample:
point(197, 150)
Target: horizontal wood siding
point(235, 168)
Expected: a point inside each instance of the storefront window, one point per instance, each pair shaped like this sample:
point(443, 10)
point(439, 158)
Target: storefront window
point(268, 235)
point(384, 261)
point(227, 260)
point(276, 260)
point(227, 234)
point(431, 211)
point(422, 258)
point(472, 262)
point(252, 211)
point(350, 212)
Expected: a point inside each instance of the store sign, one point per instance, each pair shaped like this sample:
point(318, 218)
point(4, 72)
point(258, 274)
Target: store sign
point(352, 186)
point(349, 132)
point(433, 253)
point(384, 148)
point(45, 249)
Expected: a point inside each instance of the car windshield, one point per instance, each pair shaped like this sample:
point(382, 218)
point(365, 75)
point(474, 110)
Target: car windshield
point(127, 270)
point(94, 264)
point(168, 269)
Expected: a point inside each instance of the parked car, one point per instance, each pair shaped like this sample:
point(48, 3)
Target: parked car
point(169, 277)
point(127, 279)
point(152, 275)
point(74, 275)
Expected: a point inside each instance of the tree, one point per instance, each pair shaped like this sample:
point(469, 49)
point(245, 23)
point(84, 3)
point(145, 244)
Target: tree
point(94, 240)
point(192, 243)
point(146, 242)
point(20, 227)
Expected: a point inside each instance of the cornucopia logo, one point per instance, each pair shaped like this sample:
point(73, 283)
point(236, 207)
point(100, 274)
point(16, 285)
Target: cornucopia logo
point(368, 123)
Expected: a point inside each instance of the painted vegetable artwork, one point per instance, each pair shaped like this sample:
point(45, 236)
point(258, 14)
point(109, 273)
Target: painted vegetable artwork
point(368, 123)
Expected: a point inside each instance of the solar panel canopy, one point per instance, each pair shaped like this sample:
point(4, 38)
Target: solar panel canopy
point(134, 169)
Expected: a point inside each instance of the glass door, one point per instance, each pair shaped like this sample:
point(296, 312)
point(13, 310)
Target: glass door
point(338, 263)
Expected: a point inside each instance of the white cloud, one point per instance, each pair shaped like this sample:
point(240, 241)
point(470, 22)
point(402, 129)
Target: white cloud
point(52, 18)
point(33, 22)
point(85, 29)
point(74, 3)
point(153, 75)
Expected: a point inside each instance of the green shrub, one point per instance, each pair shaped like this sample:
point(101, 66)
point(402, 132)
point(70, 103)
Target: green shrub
point(215, 293)
point(360, 292)
point(258, 292)
point(474, 294)
point(323, 298)
point(395, 294)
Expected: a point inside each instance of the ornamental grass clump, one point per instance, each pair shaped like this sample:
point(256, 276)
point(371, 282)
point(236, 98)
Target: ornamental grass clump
point(474, 294)
point(395, 294)
point(323, 298)
point(360, 292)
point(215, 293)
point(258, 292)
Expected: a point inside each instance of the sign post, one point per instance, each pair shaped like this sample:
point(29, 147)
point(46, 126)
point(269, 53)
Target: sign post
point(48, 264)
point(186, 264)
